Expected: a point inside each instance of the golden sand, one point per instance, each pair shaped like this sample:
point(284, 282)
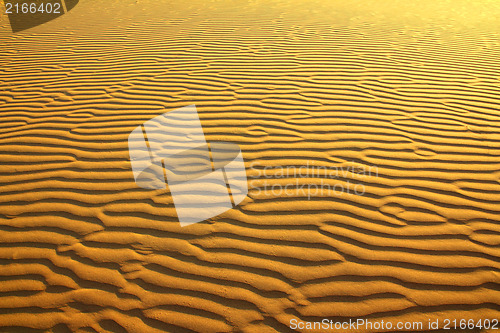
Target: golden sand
point(410, 89)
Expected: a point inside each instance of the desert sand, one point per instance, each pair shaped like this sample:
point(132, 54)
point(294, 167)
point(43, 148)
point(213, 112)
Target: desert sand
point(408, 90)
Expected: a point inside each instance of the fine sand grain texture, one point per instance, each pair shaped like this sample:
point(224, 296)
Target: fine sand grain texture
point(394, 99)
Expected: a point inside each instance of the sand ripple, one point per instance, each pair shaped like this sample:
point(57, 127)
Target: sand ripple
point(409, 89)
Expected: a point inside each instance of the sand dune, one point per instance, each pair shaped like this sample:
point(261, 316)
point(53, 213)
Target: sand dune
point(408, 90)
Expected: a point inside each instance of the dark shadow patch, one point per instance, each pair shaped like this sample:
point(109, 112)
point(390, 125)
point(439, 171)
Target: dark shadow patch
point(26, 14)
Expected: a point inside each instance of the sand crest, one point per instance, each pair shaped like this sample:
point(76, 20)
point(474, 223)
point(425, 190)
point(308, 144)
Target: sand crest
point(398, 99)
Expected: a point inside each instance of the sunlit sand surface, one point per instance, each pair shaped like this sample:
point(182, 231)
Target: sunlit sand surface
point(410, 90)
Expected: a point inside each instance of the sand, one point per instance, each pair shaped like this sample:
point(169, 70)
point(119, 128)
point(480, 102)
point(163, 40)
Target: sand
point(406, 91)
